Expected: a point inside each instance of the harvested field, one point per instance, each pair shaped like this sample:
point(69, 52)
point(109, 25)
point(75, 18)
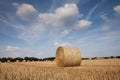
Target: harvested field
point(104, 69)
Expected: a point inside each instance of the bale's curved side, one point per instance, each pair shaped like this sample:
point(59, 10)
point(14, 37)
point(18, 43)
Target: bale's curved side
point(68, 56)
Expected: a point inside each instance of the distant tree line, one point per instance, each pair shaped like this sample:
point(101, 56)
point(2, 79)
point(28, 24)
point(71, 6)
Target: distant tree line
point(19, 59)
point(109, 57)
point(5, 59)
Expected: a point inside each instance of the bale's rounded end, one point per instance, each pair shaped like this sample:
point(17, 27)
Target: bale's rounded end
point(60, 56)
point(68, 56)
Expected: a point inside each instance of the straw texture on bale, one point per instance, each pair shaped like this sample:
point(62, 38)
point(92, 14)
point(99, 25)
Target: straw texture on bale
point(68, 56)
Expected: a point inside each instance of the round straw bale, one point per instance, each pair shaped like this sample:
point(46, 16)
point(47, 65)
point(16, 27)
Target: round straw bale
point(68, 56)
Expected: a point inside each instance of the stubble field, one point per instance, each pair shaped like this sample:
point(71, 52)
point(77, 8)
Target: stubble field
point(103, 69)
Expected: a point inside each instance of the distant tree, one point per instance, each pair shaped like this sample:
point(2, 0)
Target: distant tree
point(112, 57)
point(84, 58)
point(40, 59)
point(117, 56)
point(49, 59)
point(3, 59)
point(26, 58)
point(31, 59)
point(18, 58)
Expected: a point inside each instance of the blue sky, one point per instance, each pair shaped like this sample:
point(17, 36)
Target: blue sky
point(37, 27)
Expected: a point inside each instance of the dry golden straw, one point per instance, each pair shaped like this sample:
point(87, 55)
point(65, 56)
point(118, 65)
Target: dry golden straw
point(68, 56)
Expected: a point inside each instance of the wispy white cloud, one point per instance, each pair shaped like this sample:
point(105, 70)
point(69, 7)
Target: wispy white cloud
point(26, 11)
point(62, 44)
point(65, 32)
point(104, 17)
point(12, 48)
point(117, 10)
point(91, 12)
point(83, 24)
point(93, 9)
